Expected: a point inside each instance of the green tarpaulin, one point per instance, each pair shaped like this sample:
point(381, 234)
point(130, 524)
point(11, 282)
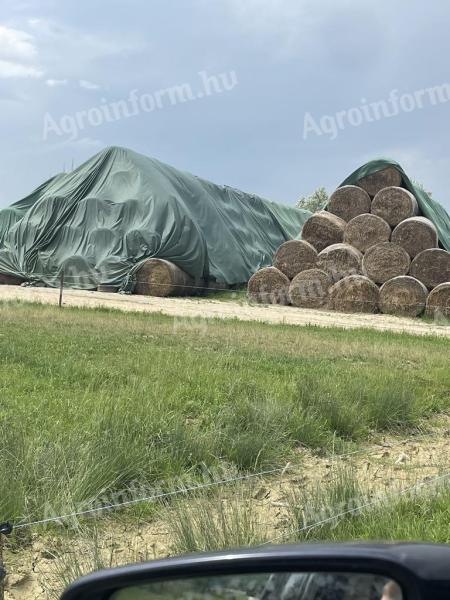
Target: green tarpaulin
point(429, 207)
point(98, 222)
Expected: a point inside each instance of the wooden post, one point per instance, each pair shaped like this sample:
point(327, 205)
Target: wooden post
point(61, 287)
point(5, 529)
point(2, 570)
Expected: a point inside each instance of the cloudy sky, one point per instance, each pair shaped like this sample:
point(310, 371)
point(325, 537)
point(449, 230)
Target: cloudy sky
point(279, 64)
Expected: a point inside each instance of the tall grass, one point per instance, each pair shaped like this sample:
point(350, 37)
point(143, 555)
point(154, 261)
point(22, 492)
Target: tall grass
point(235, 518)
point(219, 521)
point(342, 510)
point(93, 401)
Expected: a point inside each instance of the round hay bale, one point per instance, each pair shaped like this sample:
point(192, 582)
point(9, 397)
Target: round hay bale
point(6, 279)
point(340, 260)
point(107, 288)
point(323, 229)
point(373, 183)
point(355, 293)
point(348, 202)
point(309, 289)
point(403, 296)
point(365, 231)
point(438, 302)
point(295, 256)
point(269, 286)
point(159, 277)
point(431, 267)
point(394, 205)
point(415, 235)
point(385, 261)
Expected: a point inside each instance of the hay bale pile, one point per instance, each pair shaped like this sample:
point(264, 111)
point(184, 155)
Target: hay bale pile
point(404, 296)
point(309, 289)
point(438, 301)
point(369, 251)
point(295, 256)
point(366, 230)
point(159, 277)
point(6, 279)
point(323, 229)
point(269, 286)
point(384, 261)
point(340, 260)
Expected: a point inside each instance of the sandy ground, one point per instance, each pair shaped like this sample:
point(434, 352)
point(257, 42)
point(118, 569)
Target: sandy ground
point(391, 464)
point(206, 308)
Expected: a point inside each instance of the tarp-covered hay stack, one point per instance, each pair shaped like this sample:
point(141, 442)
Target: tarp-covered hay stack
point(101, 224)
point(383, 245)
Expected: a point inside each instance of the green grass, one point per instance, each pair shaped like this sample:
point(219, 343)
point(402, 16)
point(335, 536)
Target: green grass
point(92, 401)
point(208, 522)
point(205, 524)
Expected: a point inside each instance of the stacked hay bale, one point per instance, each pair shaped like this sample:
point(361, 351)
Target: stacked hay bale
point(159, 277)
point(370, 250)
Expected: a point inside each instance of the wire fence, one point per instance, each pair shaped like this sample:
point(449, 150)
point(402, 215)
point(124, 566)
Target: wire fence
point(289, 467)
point(362, 507)
point(240, 291)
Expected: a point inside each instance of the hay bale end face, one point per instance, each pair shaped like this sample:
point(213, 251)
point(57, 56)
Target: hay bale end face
point(438, 302)
point(323, 229)
point(431, 267)
point(385, 261)
point(394, 205)
point(269, 286)
point(348, 202)
point(6, 279)
point(375, 182)
point(159, 277)
point(339, 261)
point(365, 231)
point(355, 293)
point(415, 235)
point(403, 296)
point(295, 256)
point(309, 289)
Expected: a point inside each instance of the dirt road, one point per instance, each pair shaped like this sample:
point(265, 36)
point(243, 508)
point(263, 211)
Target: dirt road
point(207, 308)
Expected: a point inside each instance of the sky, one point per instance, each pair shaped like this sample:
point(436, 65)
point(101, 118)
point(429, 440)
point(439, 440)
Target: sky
point(277, 96)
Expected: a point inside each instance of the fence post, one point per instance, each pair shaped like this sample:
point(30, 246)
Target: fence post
point(61, 287)
point(5, 529)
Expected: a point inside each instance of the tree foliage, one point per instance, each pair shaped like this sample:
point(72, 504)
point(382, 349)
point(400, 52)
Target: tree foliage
point(315, 201)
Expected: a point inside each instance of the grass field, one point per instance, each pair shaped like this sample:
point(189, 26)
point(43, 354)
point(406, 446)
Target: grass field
point(93, 400)
point(210, 523)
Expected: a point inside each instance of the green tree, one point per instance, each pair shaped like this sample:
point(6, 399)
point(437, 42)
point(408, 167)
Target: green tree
point(315, 201)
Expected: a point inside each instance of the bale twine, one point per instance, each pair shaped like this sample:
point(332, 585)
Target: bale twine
point(375, 182)
point(159, 277)
point(340, 260)
point(6, 279)
point(403, 296)
point(415, 234)
point(355, 293)
point(394, 205)
point(323, 229)
point(295, 256)
point(309, 289)
point(438, 302)
point(365, 231)
point(385, 261)
point(269, 286)
point(348, 202)
point(431, 267)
